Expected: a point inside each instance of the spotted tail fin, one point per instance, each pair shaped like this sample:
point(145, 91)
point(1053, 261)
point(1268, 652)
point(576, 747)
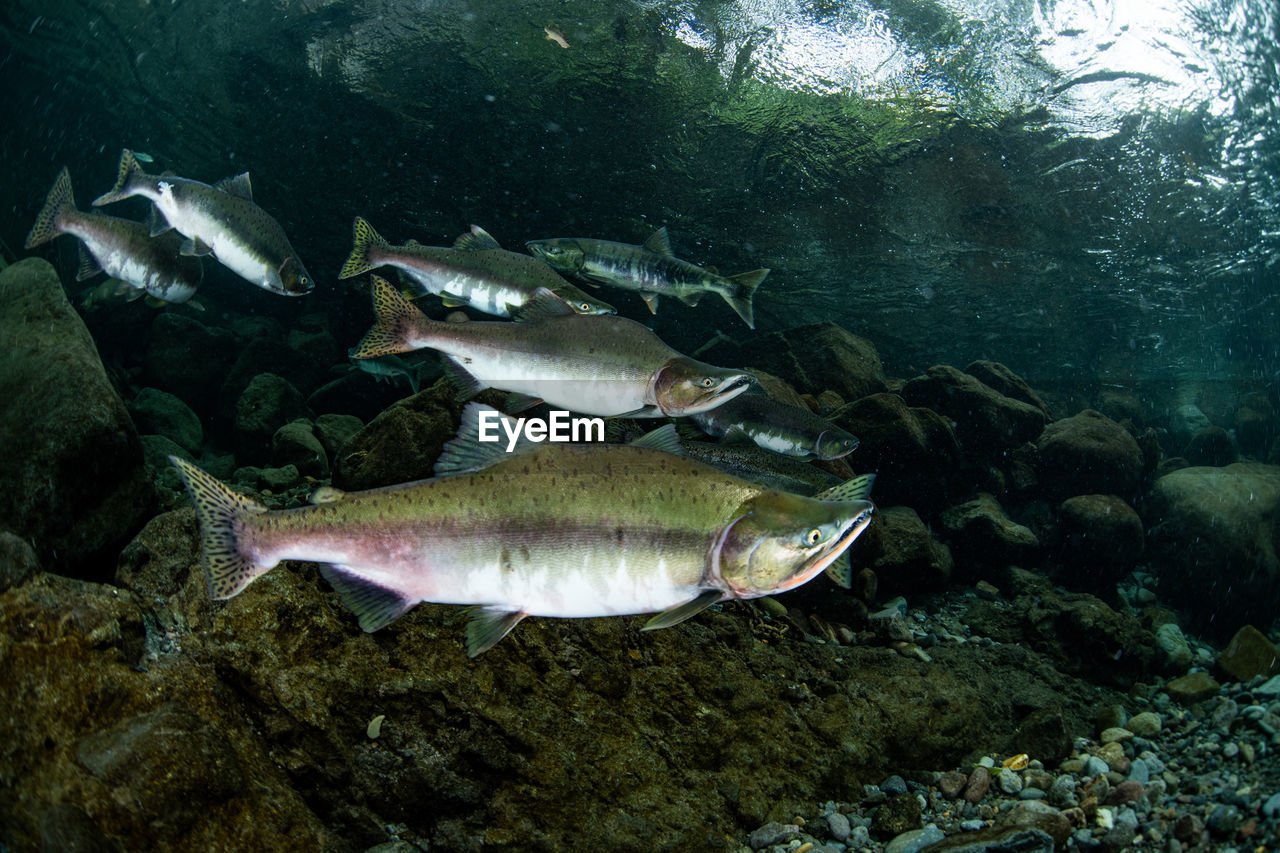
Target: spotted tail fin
point(220, 512)
point(395, 325)
point(59, 202)
point(363, 237)
point(128, 179)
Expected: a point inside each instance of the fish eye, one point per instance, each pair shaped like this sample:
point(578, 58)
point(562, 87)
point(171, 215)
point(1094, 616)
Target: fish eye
point(813, 537)
point(707, 382)
point(585, 306)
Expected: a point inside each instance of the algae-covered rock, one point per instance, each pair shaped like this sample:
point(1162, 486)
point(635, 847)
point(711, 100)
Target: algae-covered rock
point(987, 421)
point(296, 444)
point(983, 533)
point(1100, 539)
point(1211, 533)
point(162, 413)
point(401, 444)
point(1089, 453)
point(268, 403)
point(903, 554)
point(75, 484)
point(1248, 655)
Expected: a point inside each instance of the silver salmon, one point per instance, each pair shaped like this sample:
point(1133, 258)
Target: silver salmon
point(125, 250)
point(650, 269)
point(476, 272)
point(221, 220)
point(776, 426)
point(593, 364)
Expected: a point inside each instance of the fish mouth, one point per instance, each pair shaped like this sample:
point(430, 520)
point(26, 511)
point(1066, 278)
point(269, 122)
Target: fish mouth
point(727, 390)
point(856, 525)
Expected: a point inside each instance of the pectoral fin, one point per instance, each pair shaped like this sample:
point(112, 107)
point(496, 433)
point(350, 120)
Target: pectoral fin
point(488, 625)
point(650, 299)
point(679, 613)
point(89, 265)
point(468, 386)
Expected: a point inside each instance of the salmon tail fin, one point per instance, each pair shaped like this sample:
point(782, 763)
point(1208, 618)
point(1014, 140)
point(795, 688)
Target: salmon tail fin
point(48, 222)
point(127, 180)
point(363, 237)
point(396, 318)
point(744, 288)
point(220, 512)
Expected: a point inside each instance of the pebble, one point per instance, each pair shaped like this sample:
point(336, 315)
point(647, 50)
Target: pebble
point(1010, 783)
point(1094, 766)
point(773, 833)
point(979, 782)
point(839, 826)
point(893, 785)
point(915, 840)
point(1116, 734)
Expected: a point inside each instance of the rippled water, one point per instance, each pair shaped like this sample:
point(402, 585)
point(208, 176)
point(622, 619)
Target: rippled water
point(1073, 188)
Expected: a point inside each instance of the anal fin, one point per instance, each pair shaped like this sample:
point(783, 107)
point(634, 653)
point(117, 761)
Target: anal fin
point(468, 386)
point(375, 606)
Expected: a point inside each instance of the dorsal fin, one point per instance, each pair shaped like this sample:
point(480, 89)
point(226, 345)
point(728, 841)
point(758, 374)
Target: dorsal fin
point(238, 185)
point(475, 240)
point(659, 242)
point(543, 305)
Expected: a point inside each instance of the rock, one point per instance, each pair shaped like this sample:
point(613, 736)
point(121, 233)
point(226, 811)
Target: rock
point(155, 565)
point(1205, 525)
point(1248, 655)
point(18, 561)
point(900, 549)
point(268, 403)
point(779, 389)
point(773, 833)
point(189, 360)
point(1045, 734)
point(952, 784)
point(979, 783)
point(271, 356)
point(987, 422)
point(1039, 815)
point(168, 762)
point(995, 375)
point(1127, 791)
point(913, 450)
point(819, 357)
point(1173, 654)
point(997, 839)
point(981, 533)
point(1115, 734)
point(898, 814)
point(1101, 539)
point(839, 827)
point(1145, 724)
point(296, 444)
point(161, 413)
point(916, 840)
point(1088, 454)
point(1256, 425)
point(280, 479)
point(1185, 422)
point(399, 445)
point(334, 431)
point(1192, 687)
point(76, 485)
point(1211, 446)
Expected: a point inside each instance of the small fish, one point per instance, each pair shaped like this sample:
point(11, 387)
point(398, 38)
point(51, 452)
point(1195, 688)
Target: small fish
point(560, 530)
point(776, 426)
point(785, 473)
point(554, 34)
point(593, 364)
point(125, 250)
point(650, 269)
point(221, 220)
point(388, 368)
point(476, 272)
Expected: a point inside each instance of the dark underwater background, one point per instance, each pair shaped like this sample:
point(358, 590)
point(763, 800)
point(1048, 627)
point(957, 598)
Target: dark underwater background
point(1085, 193)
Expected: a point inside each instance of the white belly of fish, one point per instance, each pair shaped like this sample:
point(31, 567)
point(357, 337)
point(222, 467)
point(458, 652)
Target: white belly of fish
point(601, 395)
point(481, 294)
point(228, 247)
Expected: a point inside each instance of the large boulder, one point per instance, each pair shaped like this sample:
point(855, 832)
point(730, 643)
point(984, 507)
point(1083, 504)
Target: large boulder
point(189, 359)
point(1088, 454)
point(987, 420)
point(1212, 536)
point(816, 358)
point(1100, 538)
point(268, 403)
point(902, 552)
point(75, 481)
point(913, 450)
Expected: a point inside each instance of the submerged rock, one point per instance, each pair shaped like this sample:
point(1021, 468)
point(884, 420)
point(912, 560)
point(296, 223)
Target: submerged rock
point(1248, 655)
point(904, 555)
point(76, 485)
point(161, 413)
point(984, 535)
point(1212, 536)
point(1089, 453)
point(1100, 541)
point(987, 421)
point(268, 403)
